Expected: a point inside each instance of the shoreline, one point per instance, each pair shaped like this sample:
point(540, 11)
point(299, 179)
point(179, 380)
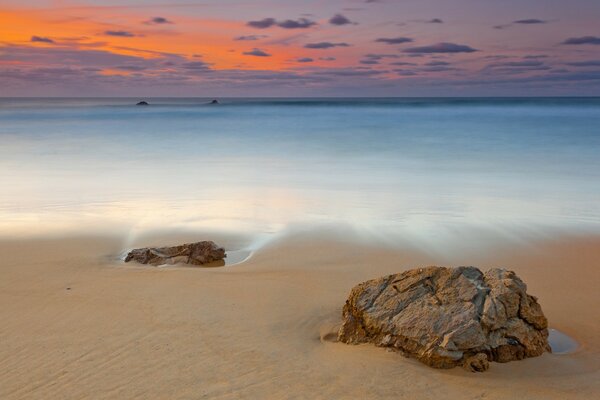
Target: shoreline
point(254, 329)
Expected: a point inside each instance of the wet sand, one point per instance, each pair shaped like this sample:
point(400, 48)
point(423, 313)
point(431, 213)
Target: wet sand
point(79, 324)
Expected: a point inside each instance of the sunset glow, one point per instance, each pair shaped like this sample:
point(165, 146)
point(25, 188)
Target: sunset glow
point(50, 48)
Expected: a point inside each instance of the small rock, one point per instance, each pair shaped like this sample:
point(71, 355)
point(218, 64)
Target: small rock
point(477, 363)
point(198, 253)
point(142, 103)
point(214, 101)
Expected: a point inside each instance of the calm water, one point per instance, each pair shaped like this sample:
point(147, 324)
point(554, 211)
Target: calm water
point(406, 166)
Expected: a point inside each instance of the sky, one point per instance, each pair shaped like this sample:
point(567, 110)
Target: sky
point(285, 48)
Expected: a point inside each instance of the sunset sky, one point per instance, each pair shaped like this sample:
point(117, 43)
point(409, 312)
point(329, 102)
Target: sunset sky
point(299, 48)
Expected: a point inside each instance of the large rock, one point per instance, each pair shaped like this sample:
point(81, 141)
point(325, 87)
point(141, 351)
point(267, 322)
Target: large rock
point(446, 317)
point(198, 253)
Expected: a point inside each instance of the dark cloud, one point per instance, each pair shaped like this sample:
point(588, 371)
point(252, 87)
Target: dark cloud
point(263, 23)
point(568, 77)
point(496, 57)
point(325, 45)
point(437, 63)
point(587, 63)
point(396, 40)
point(535, 57)
point(518, 64)
point(527, 21)
point(402, 63)
point(305, 60)
point(197, 66)
point(559, 71)
point(41, 39)
point(119, 33)
point(345, 72)
point(257, 53)
point(369, 61)
point(327, 58)
point(157, 21)
point(250, 37)
point(405, 72)
point(438, 68)
point(435, 21)
point(133, 68)
point(301, 23)
point(583, 40)
point(441, 48)
point(530, 21)
point(381, 56)
point(517, 67)
point(339, 19)
point(58, 55)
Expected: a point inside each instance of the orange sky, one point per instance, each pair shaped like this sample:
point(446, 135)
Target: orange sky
point(201, 36)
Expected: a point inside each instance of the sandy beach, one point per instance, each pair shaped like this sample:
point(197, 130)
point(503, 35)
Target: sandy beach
point(77, 323)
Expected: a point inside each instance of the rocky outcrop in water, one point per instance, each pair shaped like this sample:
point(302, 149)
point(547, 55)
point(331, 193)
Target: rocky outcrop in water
point(198, 253)
point(448, 317)
point(142, 103)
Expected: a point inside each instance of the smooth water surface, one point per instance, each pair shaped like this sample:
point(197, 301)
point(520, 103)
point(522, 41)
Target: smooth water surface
point(409, 166)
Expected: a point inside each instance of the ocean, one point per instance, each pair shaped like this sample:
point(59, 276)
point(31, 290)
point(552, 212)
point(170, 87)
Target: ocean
point(394, 167)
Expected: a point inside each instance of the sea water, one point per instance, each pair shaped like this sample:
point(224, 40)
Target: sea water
point(402, 166)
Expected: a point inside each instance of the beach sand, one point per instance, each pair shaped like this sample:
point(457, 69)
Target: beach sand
point(77, 323)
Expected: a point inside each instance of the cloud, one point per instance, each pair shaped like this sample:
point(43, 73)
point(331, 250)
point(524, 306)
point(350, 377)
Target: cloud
point(402, 63)
point(438, 68)
point(158, 21)
point(530, 21)
point(380, 56)
point(441, 48)
point(339, 19)
point(515, 67)
point(305, 60)
point(325, 45)
point(557, 77)
point(57, 55)
point(517, 64)
point(373, 59)
point(263, 23)
point(587, 63)
point(437, 63)
point(405, 72)
point(301, 23)
point(327, 58)
point(396, 40)
point(119, 33)
point(250, 37)
point(41, 39)
point(257, 53)
point(197, 66)
point(135, 68)
point(345, 72)
point(435, 21)
point(583, 40)
point(527, 21)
